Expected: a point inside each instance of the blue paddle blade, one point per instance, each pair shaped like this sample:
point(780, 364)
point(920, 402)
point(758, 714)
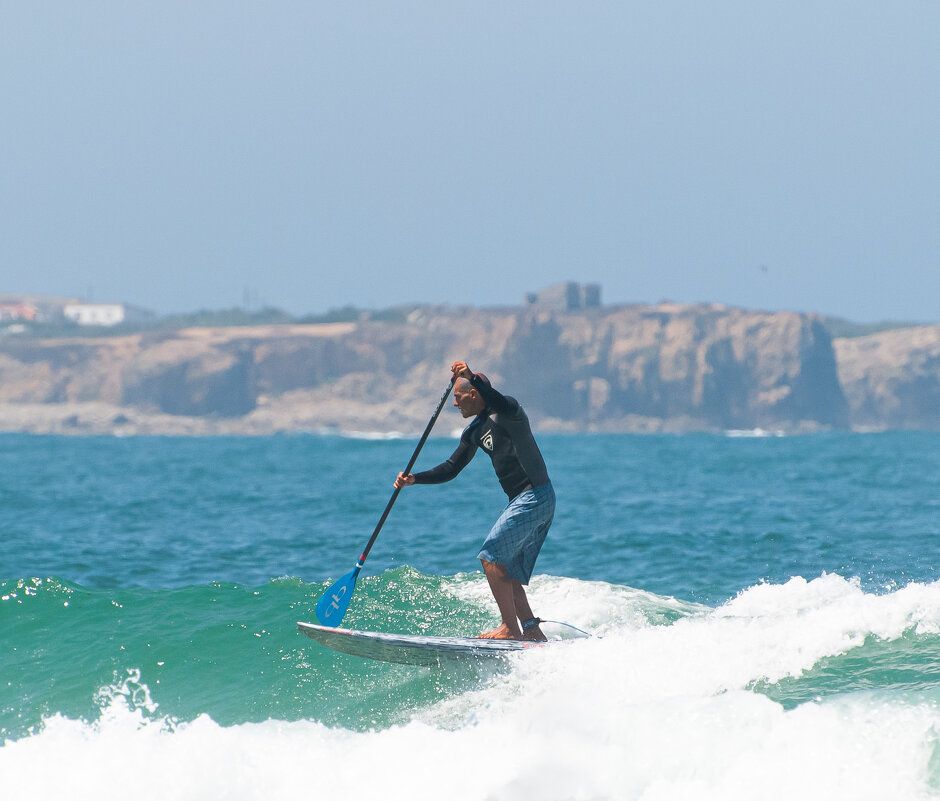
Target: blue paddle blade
point(334, 602)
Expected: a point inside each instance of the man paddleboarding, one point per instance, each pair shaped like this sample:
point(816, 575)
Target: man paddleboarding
point(501, 428)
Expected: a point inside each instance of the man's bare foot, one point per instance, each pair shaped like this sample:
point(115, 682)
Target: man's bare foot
point(501, 632)
point(534, 634)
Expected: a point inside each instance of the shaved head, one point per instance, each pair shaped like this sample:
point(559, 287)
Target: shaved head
point(467, 398)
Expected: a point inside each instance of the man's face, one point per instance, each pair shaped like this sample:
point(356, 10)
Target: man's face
point(467, 399)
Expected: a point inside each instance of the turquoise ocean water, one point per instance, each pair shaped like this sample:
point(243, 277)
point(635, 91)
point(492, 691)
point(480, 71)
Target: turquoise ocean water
point(767, 612)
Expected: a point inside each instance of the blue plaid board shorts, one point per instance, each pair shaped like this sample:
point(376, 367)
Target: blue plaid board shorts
point(517, 536)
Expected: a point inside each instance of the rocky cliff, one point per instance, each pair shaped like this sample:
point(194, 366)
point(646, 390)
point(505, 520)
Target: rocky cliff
point(632, 368)
point(892, 379)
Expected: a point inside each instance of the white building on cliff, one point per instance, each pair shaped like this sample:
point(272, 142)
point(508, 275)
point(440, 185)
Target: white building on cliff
point(106, 314)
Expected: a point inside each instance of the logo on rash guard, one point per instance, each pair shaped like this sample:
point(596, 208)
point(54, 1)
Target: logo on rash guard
point(487, 440)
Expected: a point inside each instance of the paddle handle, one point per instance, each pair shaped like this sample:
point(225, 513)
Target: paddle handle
point(407, 470)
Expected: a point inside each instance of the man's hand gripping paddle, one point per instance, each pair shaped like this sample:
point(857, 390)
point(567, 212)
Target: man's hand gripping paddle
point(334, 602)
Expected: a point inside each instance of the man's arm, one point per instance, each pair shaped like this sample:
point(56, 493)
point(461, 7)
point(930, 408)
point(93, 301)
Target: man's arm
point(445, 471)
point(492, 398)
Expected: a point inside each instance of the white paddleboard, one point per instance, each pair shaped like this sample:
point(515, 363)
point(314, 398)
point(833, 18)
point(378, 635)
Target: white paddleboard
point(410, 649)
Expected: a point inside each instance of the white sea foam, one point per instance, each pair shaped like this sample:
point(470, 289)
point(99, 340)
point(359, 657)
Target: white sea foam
point(377, 436)
point(754, 433)
point(657, 708)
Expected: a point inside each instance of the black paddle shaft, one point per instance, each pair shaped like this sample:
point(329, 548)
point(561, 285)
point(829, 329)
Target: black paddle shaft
point(407, 470)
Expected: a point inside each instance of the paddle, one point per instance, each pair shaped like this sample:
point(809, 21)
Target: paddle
point(334, 602)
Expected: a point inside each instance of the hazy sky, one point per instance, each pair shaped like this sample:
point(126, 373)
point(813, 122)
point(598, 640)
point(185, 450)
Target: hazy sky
point(179, 155)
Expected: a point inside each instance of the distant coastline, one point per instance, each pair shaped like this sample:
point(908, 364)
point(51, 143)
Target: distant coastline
point(635, 368)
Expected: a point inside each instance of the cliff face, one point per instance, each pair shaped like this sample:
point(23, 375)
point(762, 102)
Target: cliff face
point(623, 368)
point(892, 379)
point(705, 367)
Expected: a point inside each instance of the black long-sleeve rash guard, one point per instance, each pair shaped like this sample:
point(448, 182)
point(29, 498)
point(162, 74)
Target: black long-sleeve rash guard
point(502, 430)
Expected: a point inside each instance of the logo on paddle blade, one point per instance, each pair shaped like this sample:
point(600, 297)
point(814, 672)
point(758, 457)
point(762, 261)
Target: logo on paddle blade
point(487, 441)
point(337, 597)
